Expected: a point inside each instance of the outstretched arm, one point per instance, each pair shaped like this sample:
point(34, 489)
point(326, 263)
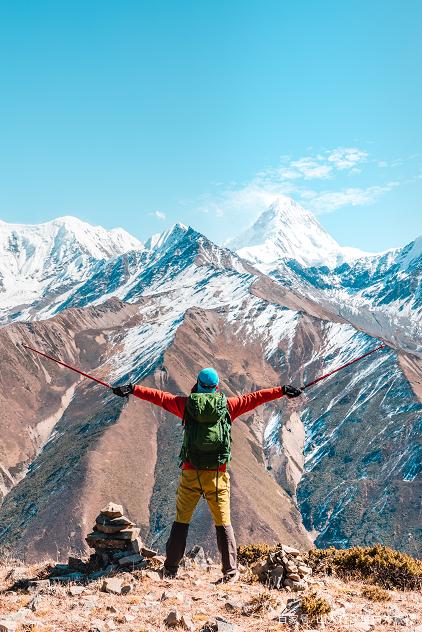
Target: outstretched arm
point(239, 405)
point(174, 404)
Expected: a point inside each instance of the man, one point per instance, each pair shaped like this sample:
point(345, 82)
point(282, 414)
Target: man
point(206, 452)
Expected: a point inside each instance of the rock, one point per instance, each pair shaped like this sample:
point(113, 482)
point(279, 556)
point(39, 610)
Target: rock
point(65, 579)
point(197, 555)
point(131, 560)
point(136, 546)
point(400, 620)
point(225, 626)
point(121, 521)
point(173, 619)
point(38, 585)
point(260, 568)
point(294, 576)
point(7, 626)
point(232, 606)
point(127, 588)
point(97, 626)
point(98, 540)
point(294, 585)
point(74, 591)
point(112, 511)
point(112, 585)
point(128, 533)
point(111, 529)
point(112, 609)
point(186, 623)
point(153, 575)
point(276, 576)
point(76, 564)
point(35, 603)
point(290, 550)
point(148, 552)
point(304, 570)
point(61, 569)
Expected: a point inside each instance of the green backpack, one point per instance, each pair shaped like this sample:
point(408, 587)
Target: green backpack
point(207, 436)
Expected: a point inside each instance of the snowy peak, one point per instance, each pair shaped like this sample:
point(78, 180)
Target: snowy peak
point(35, 259)
point(166, 239)
point(287, 231)
point(63, 236)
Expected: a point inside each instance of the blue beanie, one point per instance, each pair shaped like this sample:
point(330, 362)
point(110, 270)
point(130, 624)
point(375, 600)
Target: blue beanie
point(207, 380)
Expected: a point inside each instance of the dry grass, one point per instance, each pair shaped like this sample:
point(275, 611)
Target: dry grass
point(260, 604)
point(379, 564)
point(256, 609)
point(375, 593)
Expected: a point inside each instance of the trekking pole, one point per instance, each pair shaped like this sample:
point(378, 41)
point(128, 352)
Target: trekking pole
point(68, 366)
point(322, 377)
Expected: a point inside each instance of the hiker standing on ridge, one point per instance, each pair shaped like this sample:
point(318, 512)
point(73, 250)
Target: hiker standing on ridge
point(207, 416)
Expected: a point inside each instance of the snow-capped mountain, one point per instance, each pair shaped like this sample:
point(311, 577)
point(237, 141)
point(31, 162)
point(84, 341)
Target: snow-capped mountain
point(287, 231)
point(39, 261)
point(158, 313)
point(378, 293)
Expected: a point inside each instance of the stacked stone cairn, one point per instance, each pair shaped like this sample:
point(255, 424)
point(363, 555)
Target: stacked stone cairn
point(284, 568)
point(116, 541)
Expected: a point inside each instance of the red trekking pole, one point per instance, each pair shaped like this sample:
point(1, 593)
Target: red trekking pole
point(318, 379)
point(72, 368)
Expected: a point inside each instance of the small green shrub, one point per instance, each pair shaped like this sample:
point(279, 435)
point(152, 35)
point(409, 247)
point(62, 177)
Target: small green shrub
point(314, 607)
point(251, 553)
point(378, 564)
point(375, 593)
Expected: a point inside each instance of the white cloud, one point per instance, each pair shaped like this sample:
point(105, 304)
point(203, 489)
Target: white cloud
point(346, 157)
point(310, 168)
point(328, 201)
point(159, 215)
point(292, 177)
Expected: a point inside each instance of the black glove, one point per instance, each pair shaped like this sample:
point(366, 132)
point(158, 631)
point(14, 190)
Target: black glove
point(123, 391)
point(291, 391)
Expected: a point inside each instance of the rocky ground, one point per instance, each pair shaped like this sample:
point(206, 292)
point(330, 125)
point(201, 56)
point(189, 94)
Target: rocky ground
point(142, 602)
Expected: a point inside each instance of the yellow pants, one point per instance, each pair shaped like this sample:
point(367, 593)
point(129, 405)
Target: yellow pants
point(191, 485)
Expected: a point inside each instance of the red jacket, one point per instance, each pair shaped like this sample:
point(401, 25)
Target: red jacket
point(236, 405)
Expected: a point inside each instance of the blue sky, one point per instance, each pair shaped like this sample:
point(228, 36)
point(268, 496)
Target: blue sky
point(141, 114)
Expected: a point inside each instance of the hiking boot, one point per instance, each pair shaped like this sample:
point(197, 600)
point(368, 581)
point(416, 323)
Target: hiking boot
point(229, 578)
point(166, 573)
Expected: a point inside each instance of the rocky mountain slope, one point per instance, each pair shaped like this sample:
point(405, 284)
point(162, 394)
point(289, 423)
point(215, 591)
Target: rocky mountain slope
point(158, 314)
